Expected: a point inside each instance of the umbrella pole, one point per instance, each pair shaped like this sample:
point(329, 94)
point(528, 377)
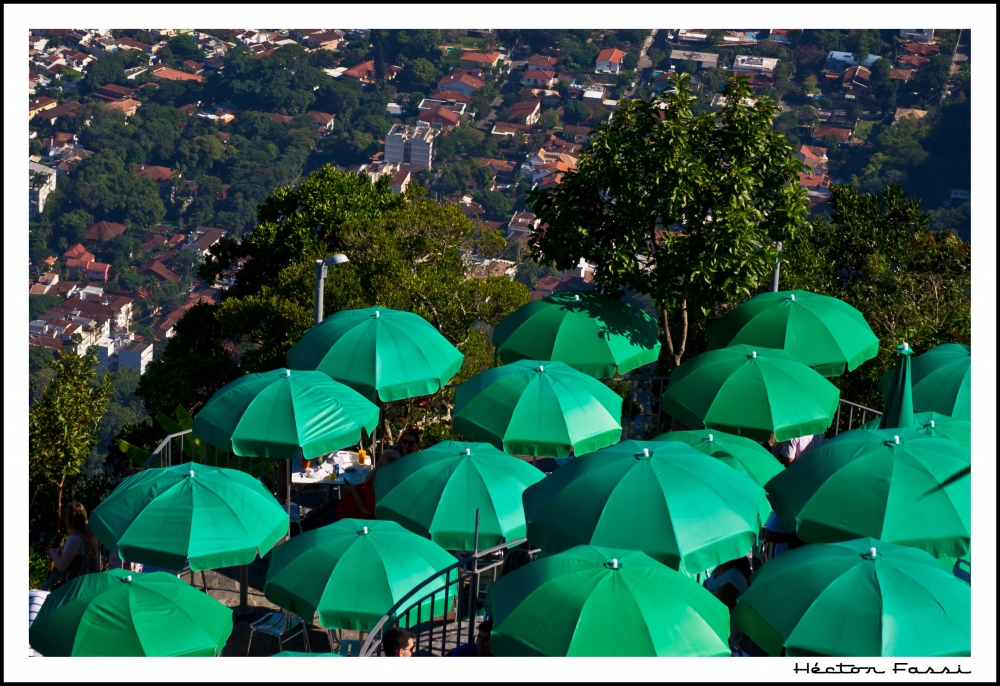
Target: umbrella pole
point(243, 609)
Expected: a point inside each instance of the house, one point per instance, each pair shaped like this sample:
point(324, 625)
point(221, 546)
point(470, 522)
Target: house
point(452, 97)
point(323, 40)
point(461, 82)
point(482, 60)
point(548, 97)
point(160, 271)
point(277, 118)
point(542, 63)
point(168, 74)
point(816, 184)
point(921, 49)
point(133, 72)
point(40, 104)
point(58, 142)
point(903, 112)
point(117, 307)
point(137, 355)
point(41, 182)
point(126, 107)
point(813, 157)
point(440, 118)
point(523, 222)
point(112, 92)
point(400, 180)
point(594, 96)
point(302, 35)
point(539, 78)
point(78, 252)
point(509, 129)
point(609, 61)
point(704, 60)
point(555, 144)
point(500, 168)
point(155, 173)
point(452, 104)
point(203, 238)
point(51, 114)
point(196, 67)
point(365, 72)
point(918, 35)
point(126, 43)
point(410, 144)
point(154, 242)
point(822, 131)
point(900, 74)
point(98, 271)
point(780, 36)
point(857, 81)
point(104, 231)
point(528, 111)
point(755, 64)
point(914, 61)
point(323, 121)
point(837, 61)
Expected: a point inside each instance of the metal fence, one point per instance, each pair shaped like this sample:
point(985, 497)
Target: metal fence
point(847, 412)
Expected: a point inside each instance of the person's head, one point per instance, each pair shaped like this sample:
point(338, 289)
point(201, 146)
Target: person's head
point(729, 580)
point(483, 638)
point(409, 442)
point(388, 456)
point(515, 559)
point(397, 642)
point(76, 521)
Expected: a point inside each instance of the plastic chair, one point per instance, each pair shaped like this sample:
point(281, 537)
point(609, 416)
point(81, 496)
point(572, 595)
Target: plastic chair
point(350, 648)
point(281, 626)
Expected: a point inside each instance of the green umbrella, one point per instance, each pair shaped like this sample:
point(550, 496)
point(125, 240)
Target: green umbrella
point(898, 413)
point(353, 571)
point(129, 614)
point(381, 353)
point(742, 454)
point(215, 517)
point(292, 653)
point(668, 500)
point(751, 392)
point(604, 602)
point(859, 598)
point(942, 379)
point(881, 483)
point(538, 408)
point(592, 333)
point(937, 426)
point(436, 493)
point(278, 413)
point(822, 332)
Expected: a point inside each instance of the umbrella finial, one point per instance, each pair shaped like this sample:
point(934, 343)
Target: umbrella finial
point(792, 297)
point(613, 564)
point(645, 452)
point(129, 578)
point(468, 451)
point(376, 314)
point(711, 437)
point(287, 372)
point(895, 439)
point(754, 354)
point(873, 552)
point(191, 473)
point(541, 368)
point(364, 531)
point(932, 423)
point(576, 297)
point(906, 346)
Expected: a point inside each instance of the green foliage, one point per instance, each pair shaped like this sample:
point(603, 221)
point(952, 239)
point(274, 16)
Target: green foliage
point(182, 47)
point(108, 69)
point(958, 220)
point(419, 75)
point(496, 206)
point(38, 570)
point(575, 112)
point(104, 186)
point(39, 304)
point(878, 254)
point(681, 207)
point(630, 61)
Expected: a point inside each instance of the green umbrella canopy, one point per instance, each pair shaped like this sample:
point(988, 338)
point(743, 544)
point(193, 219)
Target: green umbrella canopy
point(118, 613)
point(822, 332)
point(436, 492)
point(937, 426)
point(353, 571)
point(742, 454)
point(751, 392)
point(864, 483)
point(592, 601)
point(668, 500)
point(590, 332)
point(215, 517)
point(275, 414)
point(898, 413)
point(381, 353)
point(841, 600)
point(942, 381)
point(538, 408)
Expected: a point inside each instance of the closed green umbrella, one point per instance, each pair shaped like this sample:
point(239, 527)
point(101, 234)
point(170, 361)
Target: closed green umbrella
point(436, 493)
point(604, 602)
point(353, 571)
point(937, 426)
point(592, 333)
point(742, 454)
point(215, 517)
point(898, 413)
point(538, 408)
point(383, 354)
point(279, 413)
point(884, 483)
point(942, 381)
point(822, 332)
point(129, 614)
point(859, 598)
point(666, 499)
point(751, 392)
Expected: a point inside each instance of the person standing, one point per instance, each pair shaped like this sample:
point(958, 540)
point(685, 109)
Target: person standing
point(481, 648)
point(789, 451)
point(78, 555)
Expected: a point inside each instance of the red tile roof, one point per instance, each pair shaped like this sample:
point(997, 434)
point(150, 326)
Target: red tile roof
point(539, 75)
point(123, 105)
point(611, 55)
point(813, 152)
point(480, 57)
point(921, 49)
point(321, 118)
point(814, 180)
point(900, 74)
point(462, 77)
point(440, 115)
point(451, 96)
point(161, 270)
point(176, 75)
point(155, 173)
point(77, 251)
point(542, 61)
point(524, 108)
point(913, 60)
point(841, 135)
point(104, 231)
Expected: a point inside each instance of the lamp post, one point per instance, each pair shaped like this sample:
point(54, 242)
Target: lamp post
point(775, 275)
point(321, 266)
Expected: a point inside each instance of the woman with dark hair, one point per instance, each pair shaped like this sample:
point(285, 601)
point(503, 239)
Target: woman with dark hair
point(409, 441)
point(78, 554)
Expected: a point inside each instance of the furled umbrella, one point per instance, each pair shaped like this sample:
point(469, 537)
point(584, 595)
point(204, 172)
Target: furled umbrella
point(436, 493)
point(751, 392)
point(822, 332)
point(383, 354)
point(593, 333)
point(679, 506)
point(742, 454)
point(942, 381)
point(118, 613)
point(538, 408)
point(937, 426)
point(887, 484)
point(353, 571)
point(213, 516)
point(858, 598)
point(898, 412)
point(604, 602)
point(283, 414)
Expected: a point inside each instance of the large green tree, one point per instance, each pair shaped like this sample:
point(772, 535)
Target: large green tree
point(684, 208)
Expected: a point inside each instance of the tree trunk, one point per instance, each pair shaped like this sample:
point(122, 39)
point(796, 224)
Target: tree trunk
point(676, 348)
point(59, 507)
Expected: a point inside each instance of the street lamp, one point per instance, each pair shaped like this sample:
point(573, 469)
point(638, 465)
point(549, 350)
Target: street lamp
point(321, 266)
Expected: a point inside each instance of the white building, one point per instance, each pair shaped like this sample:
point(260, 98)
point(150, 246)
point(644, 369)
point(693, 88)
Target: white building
point(761, 64)
point(412, 145)
point(41, 182)
point(917, 35)
point(137, 355)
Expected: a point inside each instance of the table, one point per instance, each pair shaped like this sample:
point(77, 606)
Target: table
point(351, 473)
